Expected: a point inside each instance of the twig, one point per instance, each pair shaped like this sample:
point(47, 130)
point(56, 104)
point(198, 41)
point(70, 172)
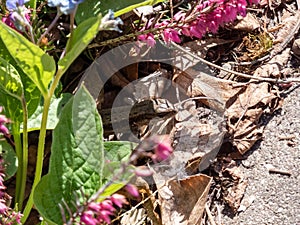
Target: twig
point(290, 137)
point(264, 79)
point(279, 171)
point(273, 169)
point(209, 215)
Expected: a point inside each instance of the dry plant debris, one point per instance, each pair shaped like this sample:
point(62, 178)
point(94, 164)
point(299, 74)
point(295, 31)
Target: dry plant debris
point(240, 78)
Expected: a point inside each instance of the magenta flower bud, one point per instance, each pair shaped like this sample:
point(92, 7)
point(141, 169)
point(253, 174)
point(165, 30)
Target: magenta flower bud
point(3, 129)
point(118, 200)
point(148, 38)
point(132, 190)
point(88, 218)
point(163, 149)
point(171, 35)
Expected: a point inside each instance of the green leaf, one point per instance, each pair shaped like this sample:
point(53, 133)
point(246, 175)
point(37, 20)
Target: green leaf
point(11, 91)
point(76, 161)
point(56, 105)
point(10, 81)
point(32, 93)
point(79, 40)
point(10, 159)
point(34, 62)
point(116, 153)
point(90, 8)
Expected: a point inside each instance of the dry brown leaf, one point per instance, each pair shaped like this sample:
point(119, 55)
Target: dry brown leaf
point(183, 201)
point(247, 23)
point(134, 216)
point(274, 67)
point(243, 114)
point(286, 33)
point(231, 180)
point(235, 192)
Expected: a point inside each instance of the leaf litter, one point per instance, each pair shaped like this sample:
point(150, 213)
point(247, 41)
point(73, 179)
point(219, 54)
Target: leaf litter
point(201, 173)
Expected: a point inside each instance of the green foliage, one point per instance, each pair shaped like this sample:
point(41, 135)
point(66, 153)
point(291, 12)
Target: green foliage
point(30, 90)
point(91, 8)
point(56, 105)
point(80, 38)
point(76, 157)
point(35, 63)
point(81, 162)
point(11, 91)
point(10, 159)
point(116, 153)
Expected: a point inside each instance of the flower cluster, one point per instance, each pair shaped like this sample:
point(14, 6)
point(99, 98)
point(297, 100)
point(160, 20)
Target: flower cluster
point(99, 213)
point(3, 121)
point(7, 215)
point(18, 17)
point(207, 16)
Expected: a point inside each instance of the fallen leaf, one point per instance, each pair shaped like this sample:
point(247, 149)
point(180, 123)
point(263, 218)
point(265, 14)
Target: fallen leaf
point(182, 201)
point(247, 23)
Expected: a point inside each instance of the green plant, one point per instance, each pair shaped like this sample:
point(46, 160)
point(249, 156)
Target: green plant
point(29, 78)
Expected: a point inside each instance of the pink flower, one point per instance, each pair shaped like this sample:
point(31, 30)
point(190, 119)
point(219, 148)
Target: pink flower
point(100, 212)
point(18, 17)
point(3, 120)
point(118, 200)
point(7, 215)
point(148, 38)
point(88, 218)
point(163, 149)
point(208, 17)
point(171, 35)
point(132, 190)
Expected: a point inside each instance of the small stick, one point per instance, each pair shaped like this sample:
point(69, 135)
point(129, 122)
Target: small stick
point(272, 169)
point(290, 137)
point(283, 172)
point(209, 215)
point(264, 79)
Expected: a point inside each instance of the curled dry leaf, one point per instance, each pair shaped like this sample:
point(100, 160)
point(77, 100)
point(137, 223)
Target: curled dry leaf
point(182, 201)
point(244, 112)
point(286, 34)
point(235, 192)
point(274, 67)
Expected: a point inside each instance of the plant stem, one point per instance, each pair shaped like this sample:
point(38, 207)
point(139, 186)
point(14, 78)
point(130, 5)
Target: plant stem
point(41, 145)
point(25, 154)
point(32, 4)
point(18, 147)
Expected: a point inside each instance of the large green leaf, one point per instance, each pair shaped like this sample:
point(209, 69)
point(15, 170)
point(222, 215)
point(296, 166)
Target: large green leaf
point(79, 40)
point(35, 63)
point(32, 93)
point(76, 161)
point(90, 8)
point(56, 105)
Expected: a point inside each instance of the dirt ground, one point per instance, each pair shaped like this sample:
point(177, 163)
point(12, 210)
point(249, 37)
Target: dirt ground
point(276, 197)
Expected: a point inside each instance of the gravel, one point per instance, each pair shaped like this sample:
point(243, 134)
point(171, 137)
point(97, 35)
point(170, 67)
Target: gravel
point(276, 196)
